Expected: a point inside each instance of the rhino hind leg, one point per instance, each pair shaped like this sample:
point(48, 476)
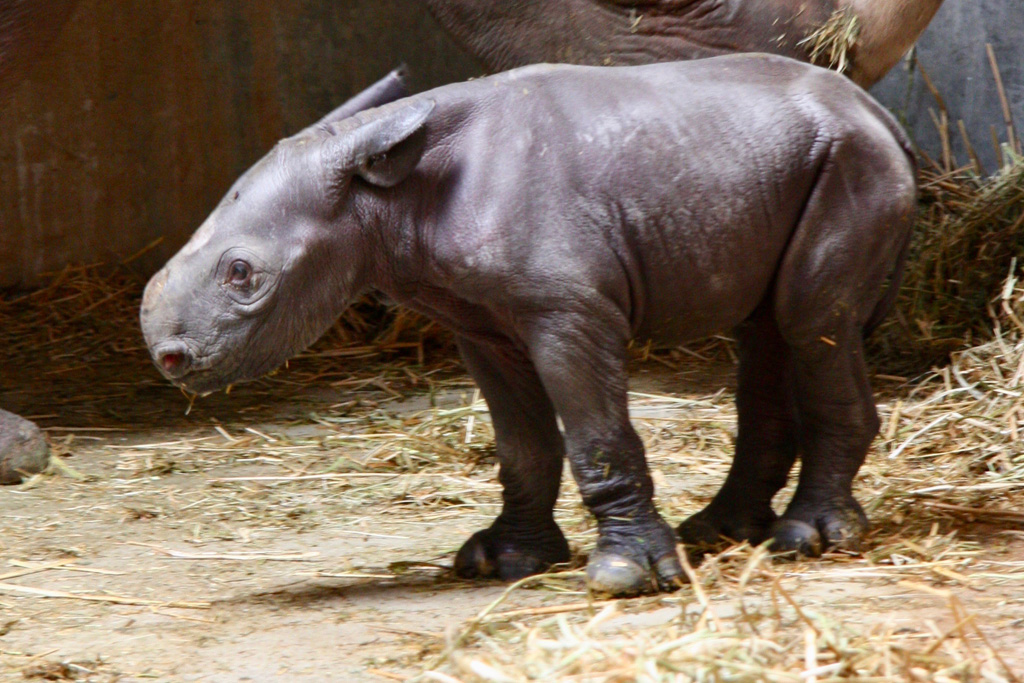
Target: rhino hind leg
point(766, 445)
point(830, 284)
point(838, 422)
point(524, 539)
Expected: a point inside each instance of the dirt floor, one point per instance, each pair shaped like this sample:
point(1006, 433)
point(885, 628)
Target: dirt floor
point(312, 545)
point(301, 529)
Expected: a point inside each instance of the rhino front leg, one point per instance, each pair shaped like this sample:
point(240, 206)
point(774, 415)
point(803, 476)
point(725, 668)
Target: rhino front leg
point(582, 363)
point(766, 446)
point(524, 539)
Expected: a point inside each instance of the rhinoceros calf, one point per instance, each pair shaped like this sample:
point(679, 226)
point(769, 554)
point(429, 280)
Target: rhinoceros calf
point(548, 216)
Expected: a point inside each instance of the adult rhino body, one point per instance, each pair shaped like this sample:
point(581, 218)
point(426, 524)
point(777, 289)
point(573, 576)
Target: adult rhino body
point(549, 215)
point(514, 33)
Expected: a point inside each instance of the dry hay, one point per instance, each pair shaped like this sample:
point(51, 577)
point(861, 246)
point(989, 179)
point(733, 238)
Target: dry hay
point(737, 621)
point(970, 232)
point(832, 44)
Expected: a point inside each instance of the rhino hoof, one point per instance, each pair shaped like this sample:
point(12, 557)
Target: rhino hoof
point(791, 536)
point(838, 527)
point(700, 534)
point(609, 574)
point(619, 576)
point(23, 450)
point(488, 555)
point(844, 529)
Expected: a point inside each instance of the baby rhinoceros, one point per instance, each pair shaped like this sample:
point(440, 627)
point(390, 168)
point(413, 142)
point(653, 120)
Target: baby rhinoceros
point(548, 216)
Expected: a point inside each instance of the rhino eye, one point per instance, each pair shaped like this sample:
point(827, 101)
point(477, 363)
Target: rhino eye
point(239, 273)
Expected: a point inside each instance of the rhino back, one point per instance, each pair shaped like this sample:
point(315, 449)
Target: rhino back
point(671, 188)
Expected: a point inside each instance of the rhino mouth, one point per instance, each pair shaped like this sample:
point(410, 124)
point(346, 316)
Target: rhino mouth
point(182, 366)
point(206, 368)
point(209, 375)
point(202, 382)
point(213, 374)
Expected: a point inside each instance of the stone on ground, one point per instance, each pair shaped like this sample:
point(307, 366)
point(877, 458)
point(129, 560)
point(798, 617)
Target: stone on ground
point(23, 450)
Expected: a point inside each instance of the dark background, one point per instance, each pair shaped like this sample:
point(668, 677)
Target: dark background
point(143, 113)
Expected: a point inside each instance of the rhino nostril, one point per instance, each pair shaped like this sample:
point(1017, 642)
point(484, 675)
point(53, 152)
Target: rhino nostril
point(174, 363)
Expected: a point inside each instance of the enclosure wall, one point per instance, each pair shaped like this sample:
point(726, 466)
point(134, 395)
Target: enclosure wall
point(952, 52)
point(142, 113)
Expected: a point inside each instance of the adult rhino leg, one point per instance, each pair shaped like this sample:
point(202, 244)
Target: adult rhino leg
point(524, 539)
point(766, 445)
point(23, 450)
point(581, 360)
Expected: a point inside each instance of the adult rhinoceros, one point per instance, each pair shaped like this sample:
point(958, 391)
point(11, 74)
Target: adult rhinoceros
point(514, 33)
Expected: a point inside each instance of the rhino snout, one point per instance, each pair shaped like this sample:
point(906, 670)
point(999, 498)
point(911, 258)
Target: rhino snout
point(162, 330)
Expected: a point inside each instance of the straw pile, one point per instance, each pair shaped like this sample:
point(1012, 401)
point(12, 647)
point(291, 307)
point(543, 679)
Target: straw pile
point(969, 234)
point(752, 629)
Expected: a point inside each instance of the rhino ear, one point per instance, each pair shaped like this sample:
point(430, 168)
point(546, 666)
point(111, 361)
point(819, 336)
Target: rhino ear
point(386, 149)
point(388, 89)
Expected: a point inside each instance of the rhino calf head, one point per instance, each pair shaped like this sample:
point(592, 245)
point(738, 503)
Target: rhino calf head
point(284, 252)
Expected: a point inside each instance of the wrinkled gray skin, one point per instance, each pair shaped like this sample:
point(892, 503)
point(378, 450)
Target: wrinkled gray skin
point(551, 214)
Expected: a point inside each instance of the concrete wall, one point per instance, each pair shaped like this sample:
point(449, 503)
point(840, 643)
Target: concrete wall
point(952, 51)
point(143, 113)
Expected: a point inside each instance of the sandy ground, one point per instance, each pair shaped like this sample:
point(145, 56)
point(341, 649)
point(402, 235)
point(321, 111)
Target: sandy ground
point(140, 562)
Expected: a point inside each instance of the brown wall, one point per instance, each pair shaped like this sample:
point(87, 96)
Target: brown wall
point(144, 113)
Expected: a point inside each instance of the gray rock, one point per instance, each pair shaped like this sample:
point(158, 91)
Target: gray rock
point(23, 450)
